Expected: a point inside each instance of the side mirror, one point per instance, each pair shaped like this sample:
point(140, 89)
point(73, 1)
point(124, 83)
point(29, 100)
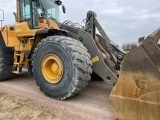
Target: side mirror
point(63, 8)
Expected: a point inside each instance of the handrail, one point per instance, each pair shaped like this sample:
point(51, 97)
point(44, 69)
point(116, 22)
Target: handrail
point(2, 17)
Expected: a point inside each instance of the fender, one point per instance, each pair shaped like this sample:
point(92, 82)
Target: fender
point(40, 34)
point(3, 45)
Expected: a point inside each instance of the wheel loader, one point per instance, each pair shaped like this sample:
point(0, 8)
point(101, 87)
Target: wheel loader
point(63, 56)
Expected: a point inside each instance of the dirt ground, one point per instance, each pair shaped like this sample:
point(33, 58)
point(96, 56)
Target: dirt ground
point(90, 104)
point(17, 108)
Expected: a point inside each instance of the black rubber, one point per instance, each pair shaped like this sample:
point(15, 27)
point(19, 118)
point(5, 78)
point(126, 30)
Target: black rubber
point(30, 73)
point(95, 77)
point(76, 66)
point(6, 63)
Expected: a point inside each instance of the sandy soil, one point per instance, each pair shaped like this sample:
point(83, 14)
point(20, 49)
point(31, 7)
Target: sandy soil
point(17, 108)
point(90, 104)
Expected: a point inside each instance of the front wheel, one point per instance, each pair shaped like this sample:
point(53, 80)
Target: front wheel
point(61, 66)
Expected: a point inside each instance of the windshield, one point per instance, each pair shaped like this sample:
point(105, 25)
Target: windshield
point(50, 9)
point(32, 10)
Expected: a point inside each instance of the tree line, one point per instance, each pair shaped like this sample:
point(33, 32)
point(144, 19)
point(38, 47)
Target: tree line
point(130, 46)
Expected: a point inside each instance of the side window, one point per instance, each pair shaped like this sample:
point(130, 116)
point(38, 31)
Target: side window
point(53, 13)
point(25, 14)
point(36, 13)
point(50, 13)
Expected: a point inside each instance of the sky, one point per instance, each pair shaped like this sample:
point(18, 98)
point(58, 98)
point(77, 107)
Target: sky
point(124, 21)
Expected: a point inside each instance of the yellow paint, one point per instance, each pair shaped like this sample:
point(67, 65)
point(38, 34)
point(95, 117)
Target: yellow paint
point(22, 29)
point(52, 24)
point(52, 68)
point(43, 25)
point(95, 59)
point(10, 37)
point(19, 36)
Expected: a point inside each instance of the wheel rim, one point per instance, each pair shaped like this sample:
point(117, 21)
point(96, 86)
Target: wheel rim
point(52, 68)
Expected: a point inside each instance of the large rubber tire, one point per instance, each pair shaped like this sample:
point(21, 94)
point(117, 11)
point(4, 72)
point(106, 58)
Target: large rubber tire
point(76, 66)
point(6, 64)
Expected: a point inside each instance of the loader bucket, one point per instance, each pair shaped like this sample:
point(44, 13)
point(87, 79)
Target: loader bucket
point(136, 95)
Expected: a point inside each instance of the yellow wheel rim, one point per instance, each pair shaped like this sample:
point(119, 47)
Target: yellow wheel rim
point(52, 68)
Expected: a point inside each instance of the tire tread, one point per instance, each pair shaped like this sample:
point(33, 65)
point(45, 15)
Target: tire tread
point(5, 67)
point(81, 61)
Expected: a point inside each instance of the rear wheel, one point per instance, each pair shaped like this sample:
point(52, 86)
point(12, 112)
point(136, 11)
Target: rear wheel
point(6, 63)
point(61, 66)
